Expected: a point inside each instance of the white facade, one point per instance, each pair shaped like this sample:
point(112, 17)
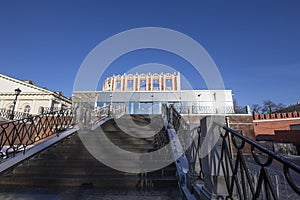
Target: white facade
point(143, 82)
point(31, 98)
point(150, 102)
point(146, 93)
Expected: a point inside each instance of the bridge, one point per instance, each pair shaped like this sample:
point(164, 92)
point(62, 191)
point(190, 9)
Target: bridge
point(200, 160)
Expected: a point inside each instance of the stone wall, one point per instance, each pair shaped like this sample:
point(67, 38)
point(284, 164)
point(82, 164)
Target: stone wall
point(241, 123)
point(237, 122)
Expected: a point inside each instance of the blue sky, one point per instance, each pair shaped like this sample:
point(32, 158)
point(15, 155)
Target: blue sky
point(255, 44)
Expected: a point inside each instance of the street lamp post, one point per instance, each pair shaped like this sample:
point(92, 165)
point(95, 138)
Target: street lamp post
point(17, 93)
point(152, 95)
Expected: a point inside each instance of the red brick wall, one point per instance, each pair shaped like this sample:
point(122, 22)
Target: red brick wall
point(269, 126)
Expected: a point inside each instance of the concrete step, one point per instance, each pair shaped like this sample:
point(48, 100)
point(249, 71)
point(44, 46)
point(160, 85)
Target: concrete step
point(68, 163)
point(98, 181)
point(62, 163)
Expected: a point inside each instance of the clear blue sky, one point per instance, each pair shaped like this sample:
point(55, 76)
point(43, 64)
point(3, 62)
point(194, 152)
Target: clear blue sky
point(255, 44)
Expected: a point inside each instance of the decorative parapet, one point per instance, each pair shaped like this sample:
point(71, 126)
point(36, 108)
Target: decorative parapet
point(295, 114)
point(143, 82)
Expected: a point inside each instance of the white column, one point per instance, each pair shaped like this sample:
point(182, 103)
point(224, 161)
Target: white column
point(164, 82)
point(122, 84)
point(160, 83)
point(173, 82)
point(134, 83)
point(151, 84)
point(178, 81)
point(126, 82)
point(50, 102)
point(114, 79)
point(104, 85)
point(138, 83)
point(32, 110)
point(147, 82)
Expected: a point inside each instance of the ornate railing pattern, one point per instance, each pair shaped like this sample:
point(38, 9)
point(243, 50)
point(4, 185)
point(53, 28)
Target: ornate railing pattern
point(242, 184)
point(99, 113)
point(175, 119)
point(45, 110)
point(195, 109)
point(247, 176)
point(16, 136)
point(190, 142)
point(6, 114)
point(160, 140)
point(182, 128)
point(117, 110)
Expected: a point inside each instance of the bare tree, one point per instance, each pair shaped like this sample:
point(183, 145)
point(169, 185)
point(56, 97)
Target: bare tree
point(271, 107)
point(257, 108)
point(237, 108)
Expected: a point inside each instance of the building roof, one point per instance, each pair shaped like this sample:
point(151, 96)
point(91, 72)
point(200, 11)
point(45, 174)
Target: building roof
point(28, 88)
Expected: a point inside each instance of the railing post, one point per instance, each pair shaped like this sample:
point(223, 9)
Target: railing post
point(210, 154)
point(192, 177)
point(170, 119)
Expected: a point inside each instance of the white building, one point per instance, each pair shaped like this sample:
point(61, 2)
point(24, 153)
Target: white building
point(146, 93)
point(143, 82)
point(32, 99)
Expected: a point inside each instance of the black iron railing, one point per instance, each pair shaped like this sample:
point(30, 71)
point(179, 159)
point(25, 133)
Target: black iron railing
point(6, 114)
point(16, 136)
point(250, 170)
point(117, 110)
point(44, 110)
point(242, 183)
point(190, 142)
point(161, 139)
point(99, 113)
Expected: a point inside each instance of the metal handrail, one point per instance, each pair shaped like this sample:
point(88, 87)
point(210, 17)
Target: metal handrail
point(99, 113)
point(16, 136)
point(244, 180)
point(263, 176)
point(45, 110)
point(6, 114)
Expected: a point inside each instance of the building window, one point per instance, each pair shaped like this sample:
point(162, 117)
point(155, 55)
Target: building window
point(169, 84)
point(27, 109)
point(142, 85)
point(130, 85)
point(155, 85)
point(118, 86)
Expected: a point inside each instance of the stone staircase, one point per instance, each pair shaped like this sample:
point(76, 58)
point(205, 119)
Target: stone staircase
point(68, 163)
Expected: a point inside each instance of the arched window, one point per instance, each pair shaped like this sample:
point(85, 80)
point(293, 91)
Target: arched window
point(27, 109)
point(169, 84)
point(142, 84)
point(129, 85)
point(155, 85)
